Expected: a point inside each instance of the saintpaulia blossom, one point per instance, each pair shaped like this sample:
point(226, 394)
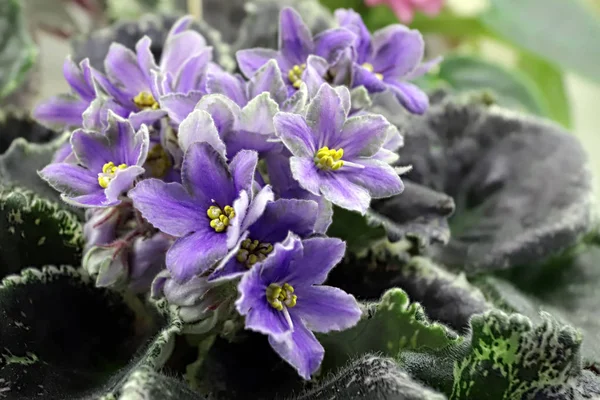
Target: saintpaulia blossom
point(296, 44)
point(282, 298)
point(207, 213)
point(405, 9)
point(66, 109)
point(338, 157)
point(136, 81)
point(388, 60)
point(107, 164)
point(280, 217)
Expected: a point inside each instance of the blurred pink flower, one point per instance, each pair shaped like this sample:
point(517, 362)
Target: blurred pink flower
point(405, 9)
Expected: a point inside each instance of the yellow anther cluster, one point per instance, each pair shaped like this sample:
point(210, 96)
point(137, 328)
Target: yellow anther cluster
point(329, 159)
point(252, 251)
point(158, 161)
point(278, 296)
point(108, 172)
point(219, 218)
point(295, 75)
point(145, 101)
point(369, 67)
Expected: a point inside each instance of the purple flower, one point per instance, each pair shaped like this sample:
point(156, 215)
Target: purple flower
point(66, 109)
point(108, 164)
point(334, 156)
point(217, 118)
point(256, 244)
point(146, 259)
point(388, 60)
point(296, 44)
point(136, 82)
point(207, 213)
point(282, 297)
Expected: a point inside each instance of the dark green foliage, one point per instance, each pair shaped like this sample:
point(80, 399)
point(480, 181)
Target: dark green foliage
point(35, 232)
point(370, 378)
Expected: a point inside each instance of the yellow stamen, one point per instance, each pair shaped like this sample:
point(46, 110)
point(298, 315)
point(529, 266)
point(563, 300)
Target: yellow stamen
point(295, 75)
point(158, 161)
point(278, 296)
point(220, 218)
point(329, 159)
point(146, 101)
point(369, 67)
point(108, 173)
point(253, 251)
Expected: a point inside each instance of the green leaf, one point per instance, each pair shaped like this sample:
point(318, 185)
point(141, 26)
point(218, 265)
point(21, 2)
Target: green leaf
point(389, 327)
point(514, 90)
point(507, 357)
point(551, 83)
point(36, 232)
point(564, 32)
point(17, 51)
point(568, 289)
point(354, 229)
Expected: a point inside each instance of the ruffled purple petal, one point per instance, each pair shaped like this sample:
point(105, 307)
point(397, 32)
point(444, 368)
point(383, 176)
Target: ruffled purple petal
point(71, 179)
point(363, 135)
point(122, 182)
point(283, 216)
point(423, 68)
point(325, 308)
point(251, 60)
point(95, 117)
point(192, 76)
point(240, 207)
point(379, 178)
point(200, 127)
point(145, 117)
point(306, 173)
point(302, 350)
point(145, 58)
point(179, 48)
point(318, 257)
point(257, 207)
point(397, 50)
point(223, 111)
point(268, 79)
point(325, 116)
point(410, 96)
point(243, 168)
point(314, 74)
point(330, 43)
point(232, 86)
point(337, 188)
point(352, 20)
point(122, 68)
point(206, 177)
point(178, 106)
point(180, 25)
point(63, 109)
point(74, 75)
point(363, 77)
point(92, 200)
point(146, 260)
point(168, 207)
point(195, 253)
point(295, 39)
point(229, 268)
point(127, 145)
point(295, 134)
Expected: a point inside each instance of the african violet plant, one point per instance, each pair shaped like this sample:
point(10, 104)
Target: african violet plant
point(196, 231)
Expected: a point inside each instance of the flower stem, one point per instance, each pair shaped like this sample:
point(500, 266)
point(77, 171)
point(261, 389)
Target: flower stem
point(195, 8)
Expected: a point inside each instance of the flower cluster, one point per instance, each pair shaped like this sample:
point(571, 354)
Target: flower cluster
point(196, 179)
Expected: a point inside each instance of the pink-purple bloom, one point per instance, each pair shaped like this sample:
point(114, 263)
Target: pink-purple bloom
point(296, 44)
point(207, 212)
point(107, 164)
point(283, 298)
point(336, 156)
point(388, 60)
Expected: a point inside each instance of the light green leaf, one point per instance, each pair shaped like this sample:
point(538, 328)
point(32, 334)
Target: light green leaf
point(514, 90)
point(17, 51)
point(565, 32)
point(388, 327)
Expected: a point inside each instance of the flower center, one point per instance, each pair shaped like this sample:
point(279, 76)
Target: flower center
point(369, 67)
point(295, 75)
point(145, 101)
point(278, 296)
point(253, 251)
point(327, 159)
point(219, 218)
point(108, 173)
point(158, 161)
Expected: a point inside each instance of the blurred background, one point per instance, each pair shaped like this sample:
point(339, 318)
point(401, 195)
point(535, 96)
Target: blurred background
point(537, 56)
